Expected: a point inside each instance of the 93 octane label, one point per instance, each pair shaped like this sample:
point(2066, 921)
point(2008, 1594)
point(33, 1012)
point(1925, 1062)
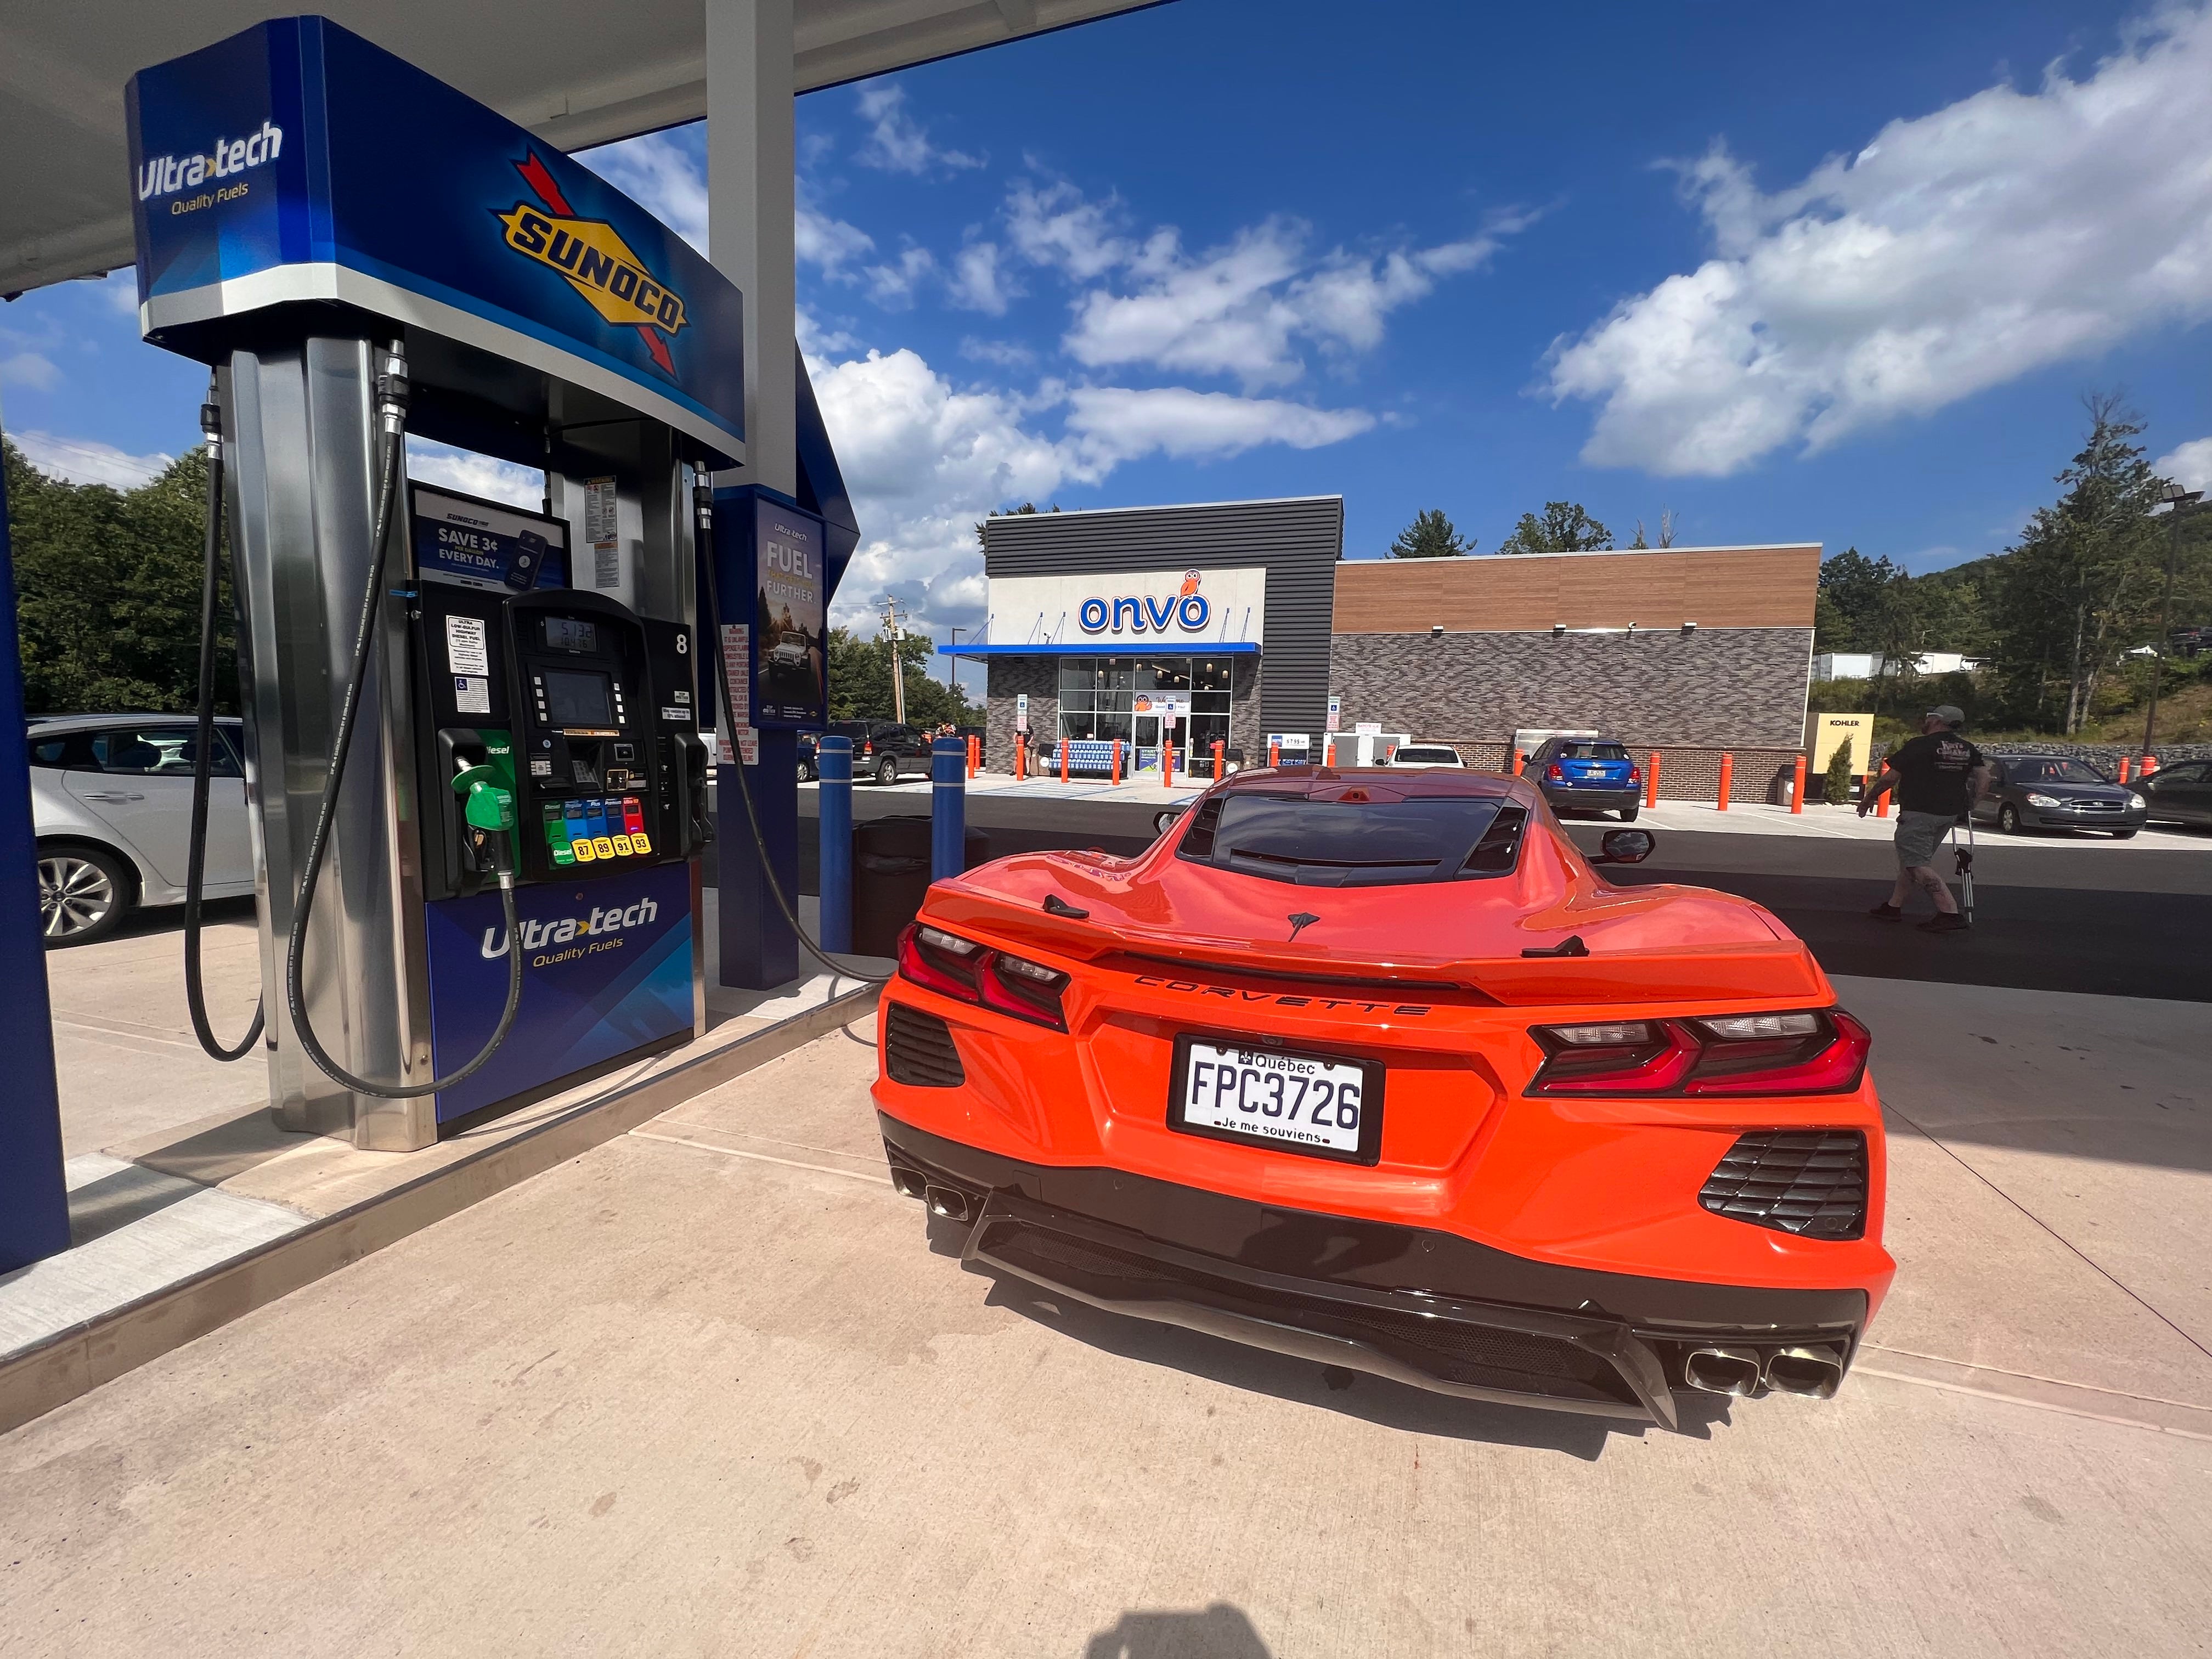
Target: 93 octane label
point(1297, 1098)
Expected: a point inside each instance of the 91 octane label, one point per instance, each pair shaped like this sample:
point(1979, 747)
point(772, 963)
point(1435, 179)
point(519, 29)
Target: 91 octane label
point(1296, 1098)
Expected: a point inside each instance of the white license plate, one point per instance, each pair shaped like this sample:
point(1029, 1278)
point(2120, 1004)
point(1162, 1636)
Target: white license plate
point(1301, 1102)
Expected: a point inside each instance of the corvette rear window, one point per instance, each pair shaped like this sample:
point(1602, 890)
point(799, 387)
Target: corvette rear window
point(1339, 843)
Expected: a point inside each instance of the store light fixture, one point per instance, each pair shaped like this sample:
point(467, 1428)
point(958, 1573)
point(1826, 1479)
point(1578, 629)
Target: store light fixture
point(1689, 627)
point(1559, 630)
point(1436, 630)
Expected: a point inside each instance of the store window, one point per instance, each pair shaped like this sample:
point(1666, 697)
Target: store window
point(1099, 697)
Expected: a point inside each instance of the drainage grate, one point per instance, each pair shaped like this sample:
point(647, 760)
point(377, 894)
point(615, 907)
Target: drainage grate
point(1810, 1182)
point(918, 1050)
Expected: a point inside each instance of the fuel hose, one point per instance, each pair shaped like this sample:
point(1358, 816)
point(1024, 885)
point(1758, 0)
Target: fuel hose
point(392, 399)
point(203, 755)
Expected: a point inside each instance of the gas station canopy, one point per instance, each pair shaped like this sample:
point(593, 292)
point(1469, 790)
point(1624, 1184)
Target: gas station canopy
point(575, 74)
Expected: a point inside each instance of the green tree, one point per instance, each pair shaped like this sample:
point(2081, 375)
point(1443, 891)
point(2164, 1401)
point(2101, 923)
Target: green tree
point(1008, 513)
point(1565, 528)
point(1431, 535)
point(2081, 585)
point(108, 587)
point(1846, 612)
point(860, 682)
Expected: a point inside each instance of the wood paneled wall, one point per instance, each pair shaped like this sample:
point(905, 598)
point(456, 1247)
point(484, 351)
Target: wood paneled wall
point(1713, 587)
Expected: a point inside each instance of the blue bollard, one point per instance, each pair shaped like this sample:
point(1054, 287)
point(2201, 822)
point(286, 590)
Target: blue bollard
point(833, 762)
point(948, 808)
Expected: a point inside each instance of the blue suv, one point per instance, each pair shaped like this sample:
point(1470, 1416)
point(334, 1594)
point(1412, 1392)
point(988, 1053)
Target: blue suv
point(1587, 774)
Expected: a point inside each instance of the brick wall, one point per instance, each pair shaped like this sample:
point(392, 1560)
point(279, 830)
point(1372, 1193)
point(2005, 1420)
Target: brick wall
point(1008, 677)
point(1712, 689)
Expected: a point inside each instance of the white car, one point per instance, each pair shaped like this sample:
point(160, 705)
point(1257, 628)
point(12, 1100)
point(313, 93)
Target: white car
point(111, 804)
point(1425, 754)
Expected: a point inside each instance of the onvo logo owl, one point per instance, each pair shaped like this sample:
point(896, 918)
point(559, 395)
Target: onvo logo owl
point(165, 175)
point(604, 920)
point(1149, 613)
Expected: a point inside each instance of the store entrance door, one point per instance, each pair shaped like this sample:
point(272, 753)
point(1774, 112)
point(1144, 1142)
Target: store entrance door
point(1148, 738)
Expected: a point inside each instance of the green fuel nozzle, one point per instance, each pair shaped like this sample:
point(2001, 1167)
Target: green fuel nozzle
point(489, 808)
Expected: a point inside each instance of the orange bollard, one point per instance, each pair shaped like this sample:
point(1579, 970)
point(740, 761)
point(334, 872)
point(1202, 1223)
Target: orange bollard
point(974, 754)
point(2149, 766)
point(1167, 757)
point(1063, 760)
point(1651, 783)
point(2124, 768)
point(1117, 762)
point(1797, 787)
point(1021, 758)
point(1519, 760)
point(1728, 779)
point(1275, 753)
point(1216, 760)
point(1882, 804)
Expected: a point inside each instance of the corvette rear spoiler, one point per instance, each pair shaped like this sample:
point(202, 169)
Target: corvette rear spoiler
point(1778, 971)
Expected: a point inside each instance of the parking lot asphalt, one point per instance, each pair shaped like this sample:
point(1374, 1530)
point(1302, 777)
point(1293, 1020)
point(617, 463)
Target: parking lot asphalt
point(714, 1388)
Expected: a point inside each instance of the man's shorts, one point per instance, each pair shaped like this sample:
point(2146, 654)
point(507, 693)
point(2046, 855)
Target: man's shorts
point(1918, 836)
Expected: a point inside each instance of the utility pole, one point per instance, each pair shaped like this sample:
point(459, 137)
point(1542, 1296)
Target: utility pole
point(898, 662)
point(2176, 499)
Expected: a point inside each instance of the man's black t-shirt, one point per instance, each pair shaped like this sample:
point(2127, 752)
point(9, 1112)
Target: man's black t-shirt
point(1935, 767)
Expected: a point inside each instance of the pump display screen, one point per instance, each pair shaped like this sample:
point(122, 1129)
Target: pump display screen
point(567, 634)
point(574, 698)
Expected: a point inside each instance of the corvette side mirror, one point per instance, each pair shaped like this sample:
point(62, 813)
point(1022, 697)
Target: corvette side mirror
point(1626, 847)
point(1164, 822)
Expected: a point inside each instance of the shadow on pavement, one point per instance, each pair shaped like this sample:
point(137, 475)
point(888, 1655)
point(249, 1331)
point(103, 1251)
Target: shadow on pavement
point(1219, 1632)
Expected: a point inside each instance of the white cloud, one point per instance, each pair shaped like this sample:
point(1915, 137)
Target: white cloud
point(828, 243)
point(2190, 466)
point(1241, 309)
point(1006, 353)
point(897, 142)
point(893, 285)
point(30, 368)
point(1958, 251)
point(1113, 424)
point(981, 280)
point(476, 475)
point(120, 290)
point(87, 461)
point(660, 175)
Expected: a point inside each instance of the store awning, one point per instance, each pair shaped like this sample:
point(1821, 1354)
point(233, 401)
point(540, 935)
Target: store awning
point(1117, 648)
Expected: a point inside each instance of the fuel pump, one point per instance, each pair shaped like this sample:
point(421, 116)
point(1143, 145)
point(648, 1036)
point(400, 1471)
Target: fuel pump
point(477, 786)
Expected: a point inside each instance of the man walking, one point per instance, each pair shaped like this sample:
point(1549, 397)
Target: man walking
point(1938, 776)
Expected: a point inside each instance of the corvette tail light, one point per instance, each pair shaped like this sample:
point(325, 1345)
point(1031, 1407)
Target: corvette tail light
point(969, 972)
point(1801, 1052)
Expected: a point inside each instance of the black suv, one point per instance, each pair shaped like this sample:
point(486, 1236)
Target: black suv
point(884, 750)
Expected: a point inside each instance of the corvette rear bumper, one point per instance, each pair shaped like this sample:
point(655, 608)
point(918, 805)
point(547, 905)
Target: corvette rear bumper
point(1426, 1308)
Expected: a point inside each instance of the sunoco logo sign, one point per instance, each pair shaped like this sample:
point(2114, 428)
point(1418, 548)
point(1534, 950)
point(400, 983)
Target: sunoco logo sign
point(590, 256)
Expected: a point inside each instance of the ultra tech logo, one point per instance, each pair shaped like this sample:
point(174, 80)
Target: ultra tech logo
point(591, 255)
point(597, 931)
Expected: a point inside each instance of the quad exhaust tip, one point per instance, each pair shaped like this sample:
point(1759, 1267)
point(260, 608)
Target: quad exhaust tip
point(909, 1182)
point(950, 1202)
point(1816, 1373)
point(1724, 1370)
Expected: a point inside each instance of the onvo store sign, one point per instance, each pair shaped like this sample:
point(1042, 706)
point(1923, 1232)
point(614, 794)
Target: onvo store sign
point(1116, 613)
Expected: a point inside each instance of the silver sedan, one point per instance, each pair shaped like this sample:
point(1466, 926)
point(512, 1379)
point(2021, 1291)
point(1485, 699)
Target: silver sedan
point(110, 799)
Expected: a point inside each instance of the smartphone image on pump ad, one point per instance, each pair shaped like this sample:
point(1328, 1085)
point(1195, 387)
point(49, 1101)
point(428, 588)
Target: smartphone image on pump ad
point(470, 543)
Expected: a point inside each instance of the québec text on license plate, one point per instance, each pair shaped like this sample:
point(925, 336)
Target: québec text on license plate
point(1272, 1097)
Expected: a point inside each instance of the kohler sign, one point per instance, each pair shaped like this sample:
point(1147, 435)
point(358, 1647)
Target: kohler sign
point(1189, 608)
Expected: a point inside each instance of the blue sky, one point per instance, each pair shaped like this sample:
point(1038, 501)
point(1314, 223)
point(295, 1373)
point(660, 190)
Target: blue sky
point(1791, 273)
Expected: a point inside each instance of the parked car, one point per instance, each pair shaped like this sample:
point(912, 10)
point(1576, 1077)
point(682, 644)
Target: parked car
point(1234, 1141)
point(2180, 793)
point(810, 765)
point(1417, 753)
point(1587, 774)
point(110, 804)
point(2056, 791)
point(884, 750)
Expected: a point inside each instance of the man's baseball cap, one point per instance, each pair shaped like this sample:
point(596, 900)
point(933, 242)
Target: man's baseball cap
point(1949, 712)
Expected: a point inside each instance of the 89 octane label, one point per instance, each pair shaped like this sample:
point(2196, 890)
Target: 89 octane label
point(1296, 1098)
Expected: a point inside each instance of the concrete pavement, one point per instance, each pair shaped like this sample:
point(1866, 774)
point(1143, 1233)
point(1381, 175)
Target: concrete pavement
point(713, 1388)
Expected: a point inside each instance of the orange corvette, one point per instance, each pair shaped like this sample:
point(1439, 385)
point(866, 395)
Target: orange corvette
point(1373, 1068)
